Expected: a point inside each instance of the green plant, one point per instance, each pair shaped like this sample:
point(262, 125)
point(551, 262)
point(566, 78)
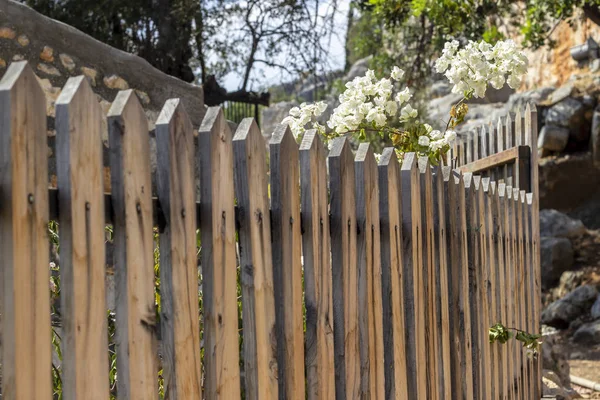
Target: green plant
point(502, 334)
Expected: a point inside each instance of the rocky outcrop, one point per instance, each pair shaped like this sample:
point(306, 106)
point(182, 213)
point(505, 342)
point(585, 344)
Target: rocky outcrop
point(556, 258)
point(553, 223)
point(562, 312)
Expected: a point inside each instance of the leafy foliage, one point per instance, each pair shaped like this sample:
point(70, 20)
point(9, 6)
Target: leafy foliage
point(501, 334)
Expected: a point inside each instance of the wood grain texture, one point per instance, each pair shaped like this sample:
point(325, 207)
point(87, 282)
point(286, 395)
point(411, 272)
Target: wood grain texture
point(316, 248)
point(460, 310)
point(428, 267)
point(368, 255)
point(414, 298)
point(133, 248)
point(256, 263)
point(527, 288)
point(473, 292)
point(521, 276)
point(343, 264)
point(504, 283)
point(218, 257)
point(287, 266)
point(484, 142)
point(178, 262)
point(440, 216)
point(531, 135)
point(82, 259)
point(390, 209)
point(512, 279)
point(24, 299)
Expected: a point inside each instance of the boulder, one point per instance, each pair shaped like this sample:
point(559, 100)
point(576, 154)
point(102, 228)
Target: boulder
point(553, 138)
point(560, 313)
point(535, 96)
point(559, 94)
point(553, 223)
point(556, 258)
point(570, 113)
point(554, 358)
point(588, 334)
point(595, 311)
point(359, 68)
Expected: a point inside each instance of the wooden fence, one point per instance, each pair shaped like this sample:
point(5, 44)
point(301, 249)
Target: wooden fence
point(358, 279)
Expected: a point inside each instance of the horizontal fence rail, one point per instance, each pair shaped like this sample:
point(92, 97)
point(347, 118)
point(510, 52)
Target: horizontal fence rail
point(321, 274)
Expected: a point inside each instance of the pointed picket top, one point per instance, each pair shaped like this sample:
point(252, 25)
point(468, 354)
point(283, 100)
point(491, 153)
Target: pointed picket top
point(501, 189)
point(173, 111)
point(283, 137)
point(493, 187)
point(312, 139)
point(522, 195)
point(491, 135)
point(483, 142)
point(516, 194)
point(519, 128)
point(467, 178)
point(476, 181)
point(123, 101)
point(509, 192)
point(364, 154)
point(509, 131)
point(247, 131)
point(529, 198)
point(388, 158)
point(485, 184)
point(500, 130)
point(423, 164)
point(446, 172)
point(18, 71)
point(409, 162)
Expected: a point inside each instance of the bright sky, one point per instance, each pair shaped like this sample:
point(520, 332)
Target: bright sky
point(334, 45)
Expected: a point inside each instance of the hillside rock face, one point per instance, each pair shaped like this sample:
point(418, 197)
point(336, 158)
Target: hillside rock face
point(56, 52)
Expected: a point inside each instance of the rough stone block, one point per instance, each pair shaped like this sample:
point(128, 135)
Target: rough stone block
point(553, 138)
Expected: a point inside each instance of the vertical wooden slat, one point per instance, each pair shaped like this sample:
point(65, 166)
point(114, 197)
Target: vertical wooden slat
point(440, 200)
point(501, 146)
point(492, 148)
point(430, 262)
point(25, 299)
point(287, 266)
point(256, 267)
point(460, 311)
point(469, 148)
point(519, 197)
point(134, 248)
point(499, 288)
point(368, 254)
point(82, 259)
point(472, 242)
point(505, 284)
point(390, 209)
point(531, 298)
point(488, 287)
point(512, 264)
point(414, 298)
point(484, 142)
point(476, 146)
point(531, 135)
point(177, 243)
point(218, 257)
point(519, 137)
point(527, 309)
point(343, 262)
point(510, 169)
point(316, 247)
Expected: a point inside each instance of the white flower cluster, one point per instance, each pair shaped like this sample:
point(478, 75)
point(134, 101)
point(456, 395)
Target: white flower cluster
point(299, 117)
point(476, 65)
point(435, 140)
point(367, 100)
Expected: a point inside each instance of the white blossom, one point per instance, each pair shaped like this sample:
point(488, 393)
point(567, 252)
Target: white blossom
point(424, 140)
point(397, 73)
point(408, 112)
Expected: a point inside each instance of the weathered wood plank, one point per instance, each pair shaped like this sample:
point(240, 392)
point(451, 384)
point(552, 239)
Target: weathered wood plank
point(509, 169)
point(531, 132)
point(178, 264)
point(527, 288)
point(218, 257)
point(511, 261)
point(476, 146)
point(429, 265)
point(133, 240)
point(256, 264)
point(316, 248)
point(390, 208)
point(496, 160)
point(484, 142)
point(287, 266)
point(521, 276)
point(25, 299)
point(414, 298)
point(473, 292)
point(343, 263)
point(460, 311)
point(82, 259)
point(441, 270)
point(368, 255)
point(469, 148)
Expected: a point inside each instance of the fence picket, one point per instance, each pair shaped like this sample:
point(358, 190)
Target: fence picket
point(177, 243)
point(483, 140)
point(256, 267)
point(511, 262)
point(506, 285)
point(414, 298)
point(440, 193)
point(343, 263)
point(320, 369)
point(521, 274)
point(527, 309)
point(82, 259)
point(476, 146)
point(218, 257)
point(133, 240)
point(428, 267)
point(531, 298)
point(25, 300)
point(390, 209)
point(287, 266)
point(472, 241)
point(369, 271)
point(509, 169)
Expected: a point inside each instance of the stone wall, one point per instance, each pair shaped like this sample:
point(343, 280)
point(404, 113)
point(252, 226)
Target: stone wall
point(57, 51)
